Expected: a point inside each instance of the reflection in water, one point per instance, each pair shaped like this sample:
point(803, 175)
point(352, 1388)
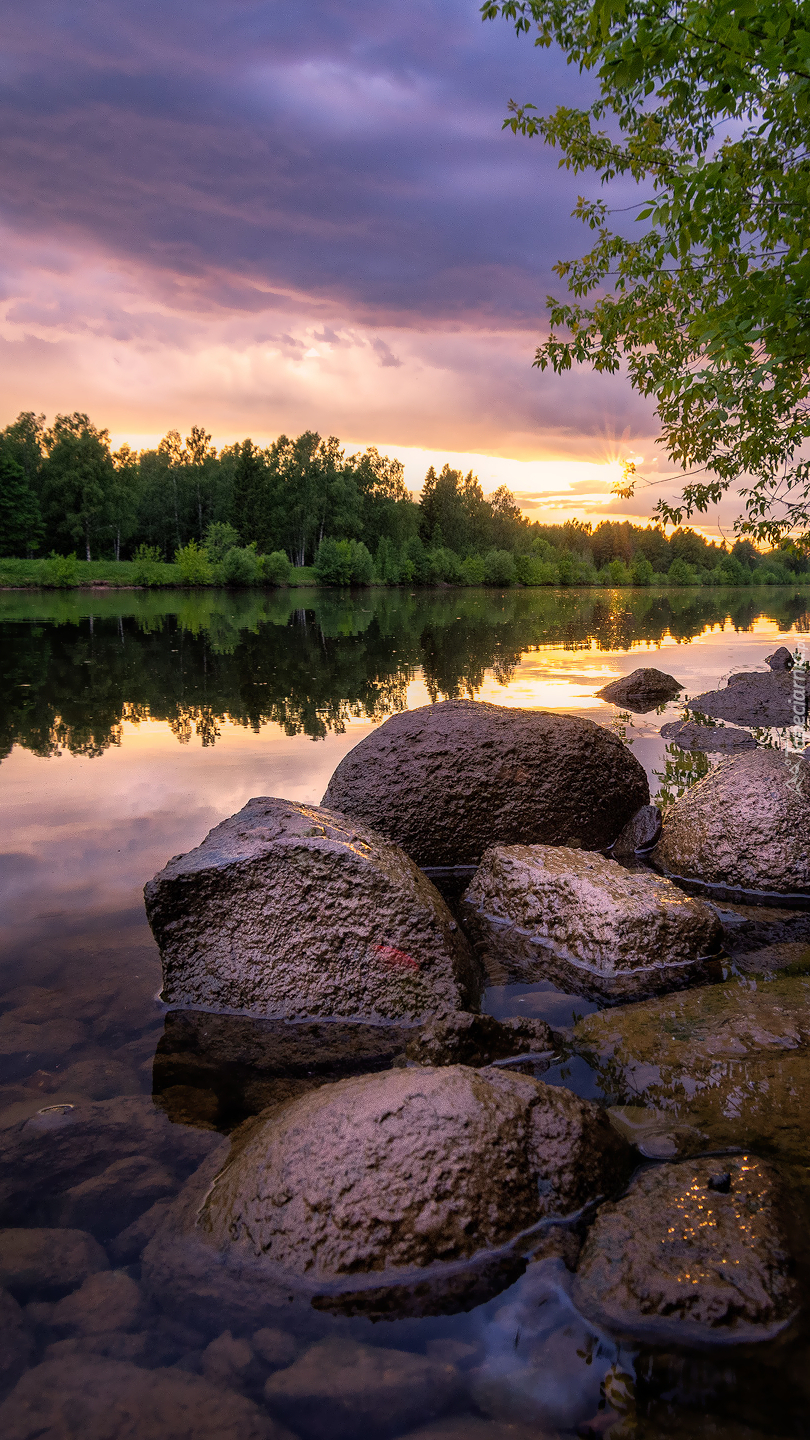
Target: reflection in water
point(81, 665)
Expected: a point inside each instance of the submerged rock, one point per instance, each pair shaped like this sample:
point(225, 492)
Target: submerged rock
point(758, 698)
point(690, 735)
point(218, 1069)
point(751, 927)
point(95, 1399)
point(639, 834)
point(695, 1252)
point(587, 924)
point(292, 910)
point(642, 690)
point(44, 1264)
point(16, 1343)
point(745, 826)
point(339, 1389)
point(446, 781)
point(465, 1039)
point(732, 1061)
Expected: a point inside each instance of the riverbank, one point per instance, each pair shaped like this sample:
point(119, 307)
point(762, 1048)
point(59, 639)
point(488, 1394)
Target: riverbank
point(60, 572)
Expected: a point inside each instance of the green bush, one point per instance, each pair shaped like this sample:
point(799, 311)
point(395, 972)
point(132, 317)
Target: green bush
point(386, 564)
point(60, 572)
point(413, 562)
point(275, 568)
point(533, 570)
point(145, 563)
point(194, 564)
point(344, 562)
point(220, 537)
point(445, 566)
point(240, 566)
point(682, 574)
point(499, 567)
point(641, 571)
point(472, 570)
point(620, 573)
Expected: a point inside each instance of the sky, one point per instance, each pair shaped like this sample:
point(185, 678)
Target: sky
point(267, 217)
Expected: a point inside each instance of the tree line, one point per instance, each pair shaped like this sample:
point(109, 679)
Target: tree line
point(250, 515)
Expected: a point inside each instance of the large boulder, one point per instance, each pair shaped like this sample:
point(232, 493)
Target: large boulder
point(695, 1252)
point(642, 690)
point(541, 912)
point(448, 780)
point(729, 1064)
point(292, 910)
point(758, 697)
point(744, 827)
point(368, 1179)
point(100, 1399)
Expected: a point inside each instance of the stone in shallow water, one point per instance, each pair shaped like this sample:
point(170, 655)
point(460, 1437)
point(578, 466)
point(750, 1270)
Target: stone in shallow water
point(339, 1389)
point(745, 826)
point(95, 1399)
point(16, 1342)
point(465, 1039)
point(642, 690)
point(544, 912)
point(695, 1252)
point(731, 1060)
point(44, 1264)
point(446, 781)
point(781, 659)
point(752, 927)
point(692, 736)
point(105, 1302)
point(757, 698)
point(293, 910)
point(639, 834)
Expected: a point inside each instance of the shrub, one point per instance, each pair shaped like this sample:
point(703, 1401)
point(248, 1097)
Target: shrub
point(473, 571)
point(220, 537)
point(60, 571)
point(145, 564)
point(344, 562)
point(499, 567)
point(444, 565)
point(386, 564)
point(275, 568)
point(194, 564)
point(413, 561)
point(619, 573)
point(682, 574)
point(240, 566)
point(641, 571)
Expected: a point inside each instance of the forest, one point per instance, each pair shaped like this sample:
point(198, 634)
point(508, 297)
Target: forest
point(302, 511)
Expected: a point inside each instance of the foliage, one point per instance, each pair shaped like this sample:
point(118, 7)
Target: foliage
point(146, 564)
point(60, 571)
point(194, 565)
point(705, 107)
point(344, 562)
point(240, 566)
point(220, 537)
point(78, 481)
point(21, 526)
point(274, 569)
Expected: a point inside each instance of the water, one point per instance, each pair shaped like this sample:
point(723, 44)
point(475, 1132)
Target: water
point(129, 725)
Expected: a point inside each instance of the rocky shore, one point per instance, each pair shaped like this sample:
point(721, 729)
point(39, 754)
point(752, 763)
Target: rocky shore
point(337, 1129)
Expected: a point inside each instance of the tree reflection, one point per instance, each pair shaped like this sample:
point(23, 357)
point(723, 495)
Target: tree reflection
point(74, 667)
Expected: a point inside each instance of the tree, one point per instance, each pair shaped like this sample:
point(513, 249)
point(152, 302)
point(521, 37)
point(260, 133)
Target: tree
point(122, 500)
point(20, 519)
point(78, 478)
point(708, 307)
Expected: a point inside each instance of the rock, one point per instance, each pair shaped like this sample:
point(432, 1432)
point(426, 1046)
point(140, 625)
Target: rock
point(244, 1063)
point(695, 1253)
point(731, 1061)
point(751, 927)
point(99, 1399)
point(25, 1047)
point(792, 959)
point(474, 1427)
point(227, 1361)
point(61, 1148)
point(744, 827)
point(781, 659)
point(641, 691)
point(16, 1342)
point(110, 1202)
point(128, 1244)
point(277, 1348)
point(690, 735)
point(587, 924)
point(465, 1039)
point(407, 1168)
point(757, 698)
point(291, 910)
point(340, 1389)
point(639, 834)
point(446, 781)
point(105, 1302)
point(44, 1264)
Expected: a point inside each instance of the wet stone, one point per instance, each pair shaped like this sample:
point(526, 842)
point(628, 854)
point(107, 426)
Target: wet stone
point(754, 927)
point(639, 834)
point(695, 1252)
point(277, 1348)
point(126, 1247)
point(85, 1396)
point(775, 959)
point(44, 1264)
point(690, 735)
point(475, 1427)
point(744, 827)
point(290, 910)
point(446, 781)
point(465, 1039)
point(757, 699)
point(584, 922)
point(16, 1342)
point(641, 691)
point(339, 1388)
point(227, 1360)
point(731, 1061)
point(781, 659)
point(105, 1302)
